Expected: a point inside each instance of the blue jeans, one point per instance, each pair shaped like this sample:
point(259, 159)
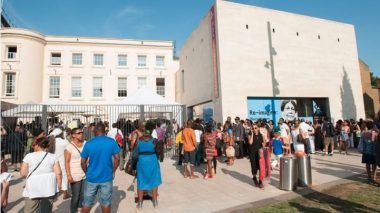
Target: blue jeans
point(91, 189)
point(199, 154)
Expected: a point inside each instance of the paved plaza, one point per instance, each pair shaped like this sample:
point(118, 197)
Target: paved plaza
point(231, 190)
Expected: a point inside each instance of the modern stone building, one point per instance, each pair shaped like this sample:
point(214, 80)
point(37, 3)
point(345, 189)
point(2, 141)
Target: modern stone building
point(254, 62)
point(371, 95)
point(77, 70)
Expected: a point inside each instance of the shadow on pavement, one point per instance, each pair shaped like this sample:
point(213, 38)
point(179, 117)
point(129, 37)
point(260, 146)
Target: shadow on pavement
point(117, 197)
point(238, 176)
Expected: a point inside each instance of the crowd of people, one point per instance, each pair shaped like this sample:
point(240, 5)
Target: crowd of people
point(81, 162)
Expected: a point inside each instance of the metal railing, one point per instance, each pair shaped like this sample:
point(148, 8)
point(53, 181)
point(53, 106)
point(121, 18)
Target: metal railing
point(20, 122)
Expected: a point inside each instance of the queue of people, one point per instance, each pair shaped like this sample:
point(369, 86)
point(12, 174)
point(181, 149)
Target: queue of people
point(61, 161)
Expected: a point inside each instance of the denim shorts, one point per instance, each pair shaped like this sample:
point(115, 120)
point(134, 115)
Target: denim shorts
point(189, 157)
point(91, 189)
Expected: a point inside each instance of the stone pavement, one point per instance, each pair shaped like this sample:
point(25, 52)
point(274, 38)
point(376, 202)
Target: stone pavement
point(230, 189)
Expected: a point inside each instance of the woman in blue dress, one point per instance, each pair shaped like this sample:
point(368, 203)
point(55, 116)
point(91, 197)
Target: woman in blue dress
point(148, 168)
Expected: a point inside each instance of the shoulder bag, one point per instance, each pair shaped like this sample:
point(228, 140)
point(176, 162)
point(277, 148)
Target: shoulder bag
point(38, 165)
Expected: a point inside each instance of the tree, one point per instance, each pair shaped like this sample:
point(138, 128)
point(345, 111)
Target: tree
point(375, 81)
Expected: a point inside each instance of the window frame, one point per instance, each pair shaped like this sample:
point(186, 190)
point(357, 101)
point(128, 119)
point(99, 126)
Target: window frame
point(94, 59)
point(52, 63)
point(138, 82)
point(123, 89)
point(75, 89)
point(138, 61)
point(118, 60)
point(52, 87)
point(8, 52)
point(163, 61)
point(73, 59)
point(160, 89)
point(101, 91)
point(12, 86)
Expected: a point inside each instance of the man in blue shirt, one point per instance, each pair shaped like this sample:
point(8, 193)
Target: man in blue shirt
point(100, 169)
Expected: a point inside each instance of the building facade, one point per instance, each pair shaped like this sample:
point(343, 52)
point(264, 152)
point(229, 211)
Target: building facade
point(256, 63)
point(78, 70)
point(371, 95)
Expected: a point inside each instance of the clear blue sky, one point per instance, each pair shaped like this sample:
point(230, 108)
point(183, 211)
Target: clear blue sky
point(176, 19)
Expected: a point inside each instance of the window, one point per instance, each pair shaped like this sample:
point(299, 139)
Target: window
point(160, 61)
point(141, 82)
point(55, 59)
point(98, 59)
point(246, 26)
point(319, 37)
point(122, 60)
point(54, 87)
point(160, 86)
point(12, 52)
point(141, 60)
point(77, 58)
point(10, 84)
point(122, 87)
point(76, 87)
point(97, 90)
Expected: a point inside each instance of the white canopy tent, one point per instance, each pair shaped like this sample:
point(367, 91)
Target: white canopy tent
point(149, 103)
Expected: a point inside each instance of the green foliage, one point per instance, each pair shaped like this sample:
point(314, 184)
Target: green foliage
point(375, 81)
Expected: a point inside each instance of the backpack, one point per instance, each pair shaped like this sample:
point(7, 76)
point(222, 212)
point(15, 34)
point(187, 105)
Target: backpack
point(329, 129)
point(119, 139)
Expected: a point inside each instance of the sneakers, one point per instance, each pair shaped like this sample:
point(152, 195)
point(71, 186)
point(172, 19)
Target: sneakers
point(331, 154)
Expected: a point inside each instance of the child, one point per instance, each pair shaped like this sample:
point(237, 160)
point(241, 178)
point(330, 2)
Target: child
point(277, 145)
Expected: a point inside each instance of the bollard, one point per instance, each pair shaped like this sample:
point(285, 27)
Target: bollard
point(304, 171)
point(288, 173)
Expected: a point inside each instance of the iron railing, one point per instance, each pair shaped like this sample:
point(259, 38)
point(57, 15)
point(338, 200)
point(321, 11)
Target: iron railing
point(29, 117)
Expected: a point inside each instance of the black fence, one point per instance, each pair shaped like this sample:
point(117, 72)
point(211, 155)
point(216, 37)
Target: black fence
point(20, 123)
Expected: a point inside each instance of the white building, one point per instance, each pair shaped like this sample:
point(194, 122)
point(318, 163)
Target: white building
point(77, 70)
point(261, 57)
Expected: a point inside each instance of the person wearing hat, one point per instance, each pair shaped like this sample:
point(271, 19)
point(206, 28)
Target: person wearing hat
point(277, 144)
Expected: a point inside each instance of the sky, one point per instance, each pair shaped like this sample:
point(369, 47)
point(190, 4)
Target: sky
point(176, 19)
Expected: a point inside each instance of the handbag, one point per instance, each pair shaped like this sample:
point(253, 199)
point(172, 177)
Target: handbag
point(230, 151)
point(131, 166)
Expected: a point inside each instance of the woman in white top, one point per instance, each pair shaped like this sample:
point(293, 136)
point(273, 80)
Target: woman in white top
point(60, 146)
point(43, 174)
point(297, 145)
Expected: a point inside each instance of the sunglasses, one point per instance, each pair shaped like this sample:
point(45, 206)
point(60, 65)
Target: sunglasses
point(255, 128)
point(78, 133)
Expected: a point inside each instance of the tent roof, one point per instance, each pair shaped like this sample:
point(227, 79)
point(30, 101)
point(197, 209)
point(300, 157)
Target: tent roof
point(144, 96)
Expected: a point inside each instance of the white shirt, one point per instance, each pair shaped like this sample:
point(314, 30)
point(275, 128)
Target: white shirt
point(154, 134)
point(43, 182)
point(60, 146)
point(305, 128)
point(296, 144)
point(284, 128)
point(112, 133)
point(198, 134)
